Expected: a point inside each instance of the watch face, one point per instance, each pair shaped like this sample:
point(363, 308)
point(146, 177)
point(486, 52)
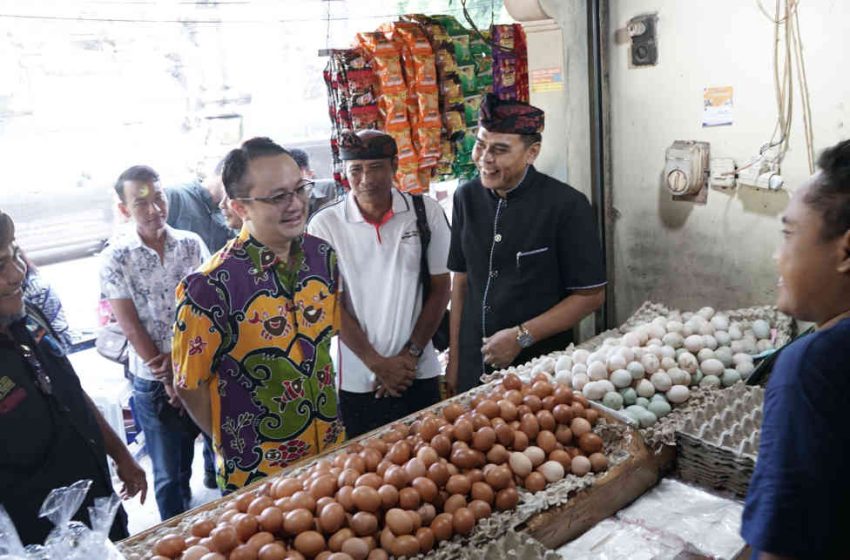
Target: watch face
point(525, 340)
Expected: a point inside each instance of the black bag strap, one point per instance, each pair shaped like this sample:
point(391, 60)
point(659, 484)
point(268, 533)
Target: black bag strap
point(425, 239)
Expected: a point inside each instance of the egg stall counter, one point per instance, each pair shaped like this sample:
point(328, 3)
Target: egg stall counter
point(448, 482)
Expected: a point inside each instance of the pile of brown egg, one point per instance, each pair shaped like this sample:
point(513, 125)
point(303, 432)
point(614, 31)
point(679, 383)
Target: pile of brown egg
point(402, 493)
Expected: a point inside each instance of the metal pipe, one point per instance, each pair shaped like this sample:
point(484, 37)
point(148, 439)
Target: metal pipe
point(604, 315)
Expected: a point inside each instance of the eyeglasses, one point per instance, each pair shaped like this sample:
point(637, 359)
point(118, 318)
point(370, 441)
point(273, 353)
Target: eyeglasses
point(284, 199)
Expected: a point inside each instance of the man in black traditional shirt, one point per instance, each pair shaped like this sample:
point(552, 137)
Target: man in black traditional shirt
point(51, 433)
point(525, 252)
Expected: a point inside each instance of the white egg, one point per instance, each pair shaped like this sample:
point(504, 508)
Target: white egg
point(706, 328)
point(709, 341)
point(673, 339)
point(643, 334)
point(688, 362)
point(722, 338)
point(639, 352)
point(667, 363)
point(606, 386)
point(610, 341)
point(740, 358)
point(617, 361)
point(710, 381)
point(543, 368)
point(749, 345)
point(737, 346)
point(644, 388)
point(660, 321)
point(650, 363)
point(745, 369)
point(596, 357)
point(735, 332)
point(674, 327)
point(689, 329)
point(660, 408)
point(564, 377)
point(761, 328)
point(552, 471)
point(679, 376)
point(694, 343)
point(712, 367)
point(764, 345)
point(579, 368)
point(627, 353)
point(654, 342)
point(564, 363)
point(705, 354)
point(720, 322)
point(656, 331)
point(621, 378)
point(579, 381)
point(580, 356)
point(724, 354)
point(730, 377)
point(706, 312)
point(636, 370)
point(597, 371)
point(661, 381)
point(631, 339)
point(655, 349)
point(696, 377)
point(678, 394)
point(613, 400)
point(593, 391)
point(687, 315)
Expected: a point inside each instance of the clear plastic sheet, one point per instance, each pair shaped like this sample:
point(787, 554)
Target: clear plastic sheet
point(672, 520)
point(69, 540)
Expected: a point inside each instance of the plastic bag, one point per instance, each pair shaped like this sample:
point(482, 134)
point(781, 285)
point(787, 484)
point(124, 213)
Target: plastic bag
point(68, 540)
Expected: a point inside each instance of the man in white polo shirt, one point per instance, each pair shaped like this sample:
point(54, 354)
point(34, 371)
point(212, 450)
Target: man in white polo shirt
point(388, 367)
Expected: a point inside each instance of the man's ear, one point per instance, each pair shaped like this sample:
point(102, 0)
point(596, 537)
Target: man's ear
point(532, 153)
point(125, 210)
point(844, 253)
point(239, 207)
point(395, 164)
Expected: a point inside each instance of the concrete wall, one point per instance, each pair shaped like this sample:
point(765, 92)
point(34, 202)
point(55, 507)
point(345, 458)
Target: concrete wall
point(688, 255)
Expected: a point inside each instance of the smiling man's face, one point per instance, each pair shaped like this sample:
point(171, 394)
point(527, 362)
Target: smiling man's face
point(13, 270)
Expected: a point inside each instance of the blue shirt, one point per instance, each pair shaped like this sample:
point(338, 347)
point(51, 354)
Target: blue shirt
point(798, 502)
point(191, 208)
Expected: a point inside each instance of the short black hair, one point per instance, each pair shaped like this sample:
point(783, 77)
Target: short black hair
point(531, 139)
point(139, 173)
point(301, 158)
point(236, 164)
point(830, 192)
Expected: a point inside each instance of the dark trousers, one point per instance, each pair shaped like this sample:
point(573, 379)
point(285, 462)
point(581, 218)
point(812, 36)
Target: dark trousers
point(170, 442)
point(362, 412)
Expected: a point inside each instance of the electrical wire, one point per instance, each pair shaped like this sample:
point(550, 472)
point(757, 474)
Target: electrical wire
point(787, 46)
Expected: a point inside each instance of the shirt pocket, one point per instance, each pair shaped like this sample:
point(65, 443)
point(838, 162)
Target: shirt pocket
point(526, 260)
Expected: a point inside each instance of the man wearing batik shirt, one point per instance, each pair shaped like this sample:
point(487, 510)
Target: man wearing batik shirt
point(252, 340)
point(525, 252)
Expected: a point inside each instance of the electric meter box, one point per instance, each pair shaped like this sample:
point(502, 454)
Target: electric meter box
point(687, 169)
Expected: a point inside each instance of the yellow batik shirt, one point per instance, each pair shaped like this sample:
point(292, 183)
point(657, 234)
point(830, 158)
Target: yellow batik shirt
point(255, 332)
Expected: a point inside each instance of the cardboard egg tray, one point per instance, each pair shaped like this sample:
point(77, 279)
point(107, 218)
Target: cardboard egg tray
point(718, 444)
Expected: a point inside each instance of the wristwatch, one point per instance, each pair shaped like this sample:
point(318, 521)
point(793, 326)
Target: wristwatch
point(414, 350)
point(523, 337)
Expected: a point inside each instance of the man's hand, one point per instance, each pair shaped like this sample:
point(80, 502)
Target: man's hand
point(133, 478)
point(395, 374)
point(161, 367)
point(173, 398)
point(451, 375)
point(501, 349)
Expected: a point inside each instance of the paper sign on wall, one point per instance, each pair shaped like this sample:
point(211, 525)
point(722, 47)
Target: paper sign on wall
point(547, 79)
point(717, 106)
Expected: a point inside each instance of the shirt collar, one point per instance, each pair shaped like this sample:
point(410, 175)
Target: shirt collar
point(353, 214)
point(520, 187)
point(135, 240)
point(264, 258)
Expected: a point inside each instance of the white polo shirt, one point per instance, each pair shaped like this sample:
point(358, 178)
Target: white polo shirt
point(380, 269)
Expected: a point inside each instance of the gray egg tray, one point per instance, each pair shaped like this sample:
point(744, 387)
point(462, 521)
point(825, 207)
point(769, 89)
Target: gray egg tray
point(718, 444)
